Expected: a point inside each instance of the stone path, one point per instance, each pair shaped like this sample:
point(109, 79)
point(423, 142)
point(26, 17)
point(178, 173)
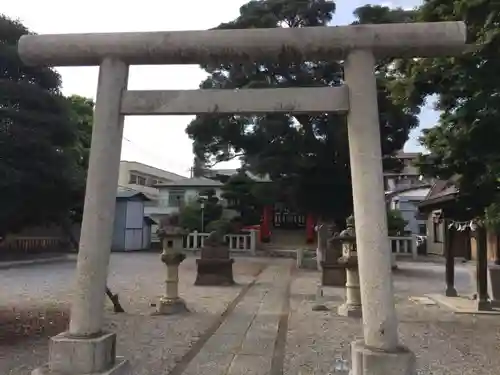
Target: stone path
point(250, 340)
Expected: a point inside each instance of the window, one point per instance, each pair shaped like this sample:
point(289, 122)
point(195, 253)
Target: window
point(437, 232)
point(422, 229)
point(176, 197)
point(133, 179)
point(137, 180)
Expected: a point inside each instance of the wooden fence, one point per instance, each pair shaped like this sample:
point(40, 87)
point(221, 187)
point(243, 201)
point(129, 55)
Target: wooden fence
point(33, 244)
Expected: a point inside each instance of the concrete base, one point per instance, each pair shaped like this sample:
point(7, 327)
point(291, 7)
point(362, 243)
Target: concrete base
point(214, 272)
point(351, 311)
point(333, 274)
point(494, 284)
point(368, 361)
point(169, 306)
point(451, 292)
point(79, 356)
point(462, 305)
point(121, 367)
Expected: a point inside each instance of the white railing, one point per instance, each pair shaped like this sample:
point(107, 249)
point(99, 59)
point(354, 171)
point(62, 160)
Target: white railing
point(405, 246)
point(243, 243)
point(237, 242)
point(401, 246)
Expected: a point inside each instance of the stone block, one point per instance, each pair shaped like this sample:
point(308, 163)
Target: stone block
point(168, 306)
point(494, 284)
point(250, 365)
point(370, 361)
point(350, 311)
point(121, 367)
point(83, 355)
point(333, 274)
point(214, 272)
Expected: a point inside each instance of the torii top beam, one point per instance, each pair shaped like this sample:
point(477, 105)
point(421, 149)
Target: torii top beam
point(240, 45)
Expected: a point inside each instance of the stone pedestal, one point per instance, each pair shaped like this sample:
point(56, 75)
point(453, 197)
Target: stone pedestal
point(333, 274)
point(215, 268)
point(171, 303)
point(171, 235)
point(370, 361)
point(83, 355)
point(214, 272)
point(494, 285)
point(352, 305)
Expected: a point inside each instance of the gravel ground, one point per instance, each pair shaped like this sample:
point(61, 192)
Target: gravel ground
point(317, 342)
point(445, 343)
point(41, 294)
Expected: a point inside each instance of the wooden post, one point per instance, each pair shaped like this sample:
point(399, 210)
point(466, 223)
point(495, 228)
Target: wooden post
point(309, 228)
point(497, 249)
point(450, 260)
point(482, 269)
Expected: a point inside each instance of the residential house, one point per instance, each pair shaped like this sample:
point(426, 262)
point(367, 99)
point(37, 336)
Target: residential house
point(174, 194)
point(406, 201)
point(131, 228)
point(408, 177)
point(404, 190)
point(143, 178)
point(438, 208)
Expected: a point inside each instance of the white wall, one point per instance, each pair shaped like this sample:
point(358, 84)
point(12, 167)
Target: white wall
point(162, 207)
point(126, 167)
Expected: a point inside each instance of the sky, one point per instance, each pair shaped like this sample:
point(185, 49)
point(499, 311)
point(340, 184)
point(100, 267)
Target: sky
point(157, 140)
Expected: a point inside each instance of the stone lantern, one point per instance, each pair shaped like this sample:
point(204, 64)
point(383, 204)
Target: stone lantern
point(352, 305)
point(171, 236)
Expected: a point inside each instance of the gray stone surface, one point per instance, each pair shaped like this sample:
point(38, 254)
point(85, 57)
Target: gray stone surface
point(121, 367)
point(82, 356)
point(195, 47)
point(250, 101)
point(376, 362)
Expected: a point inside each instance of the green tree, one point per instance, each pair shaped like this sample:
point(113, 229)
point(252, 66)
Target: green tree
point(191, 214)
point(242, 194)
point(306, 156)
point(464, 144)
point(39, 175)
point(395, 223)
point(81, 116)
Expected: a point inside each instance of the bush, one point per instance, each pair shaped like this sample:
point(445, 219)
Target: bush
point(395, 223)
point(222, 226)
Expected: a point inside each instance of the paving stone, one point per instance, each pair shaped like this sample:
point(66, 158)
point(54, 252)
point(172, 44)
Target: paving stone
point(224, 343)
point(250, 365)
point(209, 363)
point(236, 324)
point(258, 344)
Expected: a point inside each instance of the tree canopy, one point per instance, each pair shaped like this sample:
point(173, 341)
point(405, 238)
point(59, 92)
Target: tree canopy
point(43, 140)
point(464, 144)
point(306, 156)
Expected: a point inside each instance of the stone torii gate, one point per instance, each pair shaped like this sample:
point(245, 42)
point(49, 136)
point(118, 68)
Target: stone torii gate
point(86, 348)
